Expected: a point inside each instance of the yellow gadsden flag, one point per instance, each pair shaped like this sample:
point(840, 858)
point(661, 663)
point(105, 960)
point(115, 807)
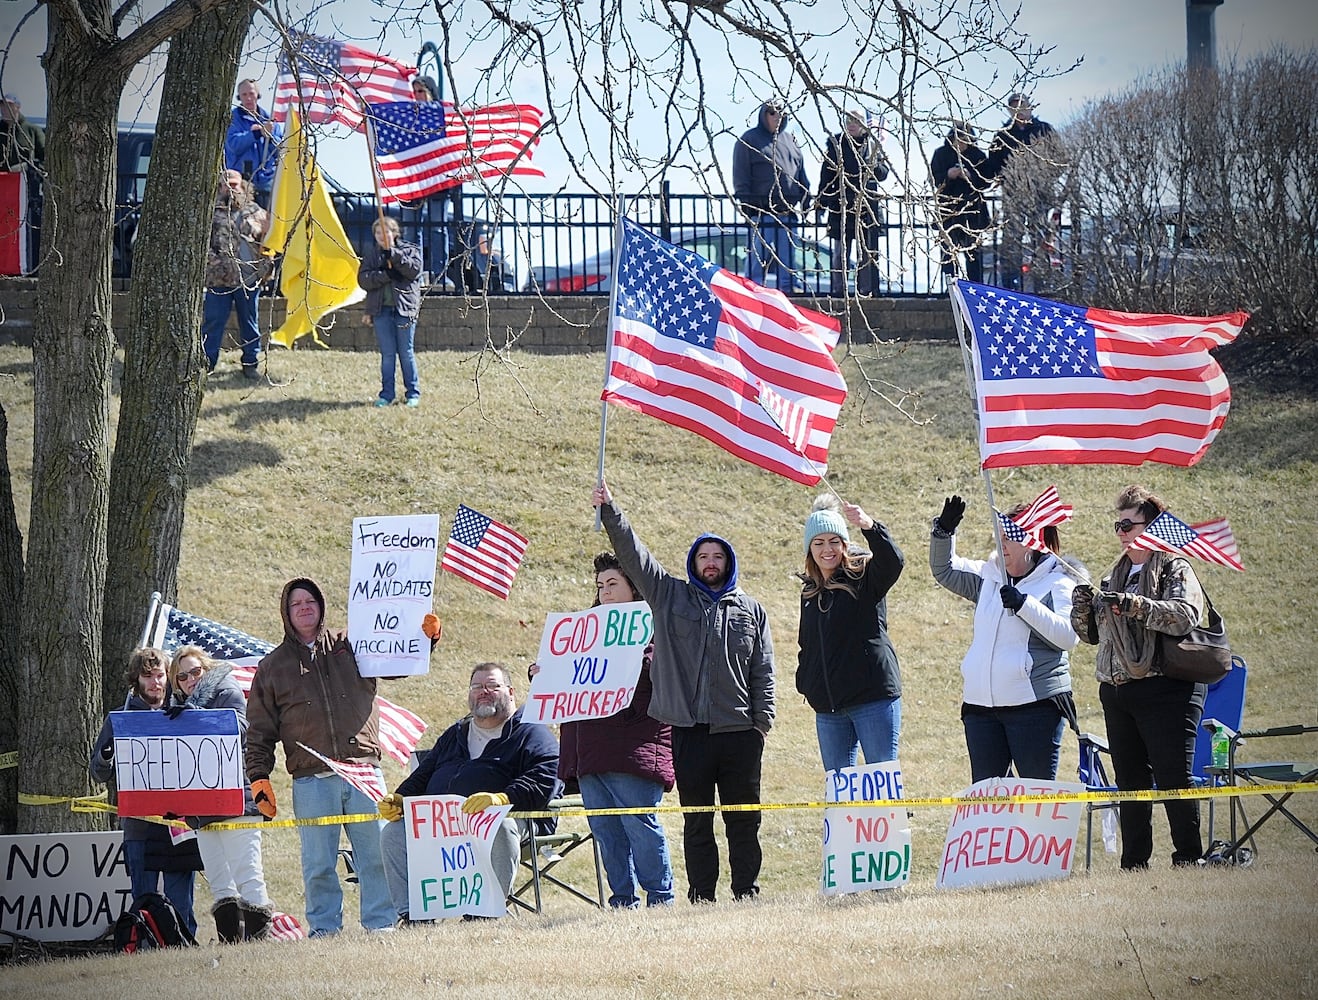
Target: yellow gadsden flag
point(320, 265)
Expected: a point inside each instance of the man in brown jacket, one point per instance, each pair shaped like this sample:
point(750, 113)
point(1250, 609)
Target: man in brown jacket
point(308, 690)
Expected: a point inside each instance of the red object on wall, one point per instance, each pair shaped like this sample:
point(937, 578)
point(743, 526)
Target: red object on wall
point(13, 223)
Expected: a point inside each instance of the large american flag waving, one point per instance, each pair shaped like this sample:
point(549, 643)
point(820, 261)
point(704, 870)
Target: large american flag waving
point(168, 628)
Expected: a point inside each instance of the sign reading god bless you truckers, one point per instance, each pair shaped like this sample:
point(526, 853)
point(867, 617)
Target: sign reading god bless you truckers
point(389, 591)
point(995, 843)
point(865, 847)
point(189, 766)
point(62, 886)
point(448, 859)
point(589, 662)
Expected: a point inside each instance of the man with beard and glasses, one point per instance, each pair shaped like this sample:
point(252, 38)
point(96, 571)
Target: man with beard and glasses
point(713, 683)
point(493, 758)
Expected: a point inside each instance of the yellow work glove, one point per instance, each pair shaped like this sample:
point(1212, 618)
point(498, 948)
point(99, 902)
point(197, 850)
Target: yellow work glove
point(390, 807)
point(263, 794)
point(431, 627)
point(483, 800)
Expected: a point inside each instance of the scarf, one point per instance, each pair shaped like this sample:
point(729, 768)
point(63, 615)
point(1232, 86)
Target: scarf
point(1133, 645)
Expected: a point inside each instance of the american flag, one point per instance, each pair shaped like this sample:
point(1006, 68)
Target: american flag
point(482, 551)
point(1027, 527)
point(168, 628)
point(286, 927)
point(792, 419)
point(690, 343)
point(421, 148)
point(1064, 385)
point(334, 80)
point(1215, 544)
point(366, 778)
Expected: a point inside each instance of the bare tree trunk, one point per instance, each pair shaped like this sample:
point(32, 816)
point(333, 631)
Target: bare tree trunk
point(72, 346)
point(11, 597)
point(162, 380)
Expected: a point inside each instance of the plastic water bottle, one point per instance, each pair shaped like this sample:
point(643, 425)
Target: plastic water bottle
point(1221, 746)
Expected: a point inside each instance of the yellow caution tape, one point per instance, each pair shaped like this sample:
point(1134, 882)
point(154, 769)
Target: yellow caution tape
point(1105, 796)
point(8, 759)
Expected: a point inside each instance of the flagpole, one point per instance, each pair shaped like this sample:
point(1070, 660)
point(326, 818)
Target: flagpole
point(608, 345)
point(375, 178)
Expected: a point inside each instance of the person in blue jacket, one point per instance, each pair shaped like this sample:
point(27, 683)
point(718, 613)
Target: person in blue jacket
point(251, 144)
point(493, 758)
point(771, 186)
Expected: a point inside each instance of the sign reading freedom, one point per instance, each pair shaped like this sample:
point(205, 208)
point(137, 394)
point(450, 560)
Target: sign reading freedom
point(390, 589)
point(589, 662)
point(189, 766)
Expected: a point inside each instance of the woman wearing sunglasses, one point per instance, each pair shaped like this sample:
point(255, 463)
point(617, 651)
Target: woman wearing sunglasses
point(1152, 720)
point(232, 858)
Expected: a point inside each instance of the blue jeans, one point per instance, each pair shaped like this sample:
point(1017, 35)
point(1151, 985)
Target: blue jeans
point(874, 726)
point(215, 314)
point(332, 796)
point(505, 855)
point(178, 885)
point(772, 243)
point(395, 334)
point(1026, 736)
point(633, 848)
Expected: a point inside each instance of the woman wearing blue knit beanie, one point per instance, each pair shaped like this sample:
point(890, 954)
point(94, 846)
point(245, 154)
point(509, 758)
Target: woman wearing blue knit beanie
point(847, 669)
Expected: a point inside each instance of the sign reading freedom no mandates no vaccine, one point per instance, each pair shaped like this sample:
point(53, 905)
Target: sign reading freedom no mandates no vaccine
point(589, 662)
point(390, 590)
point(189, 766)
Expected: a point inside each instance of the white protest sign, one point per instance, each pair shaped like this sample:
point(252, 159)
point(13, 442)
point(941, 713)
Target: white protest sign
point(449, 873)
point(62, 886)
point(188, 766)
point(865, 847)
point(589, 662)
point(390, 589)
point(995, 843)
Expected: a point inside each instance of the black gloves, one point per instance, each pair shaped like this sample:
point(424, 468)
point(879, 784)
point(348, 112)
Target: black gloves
point(954, 508)
point(1012, 599)
point(174, 711)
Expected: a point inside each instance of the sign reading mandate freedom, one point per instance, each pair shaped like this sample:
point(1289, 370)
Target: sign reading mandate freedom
point(589, 662)
point(390, 590)
point(189, 766)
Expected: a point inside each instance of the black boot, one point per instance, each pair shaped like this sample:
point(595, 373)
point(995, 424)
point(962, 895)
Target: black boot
point(228, 920)
point(256, 921)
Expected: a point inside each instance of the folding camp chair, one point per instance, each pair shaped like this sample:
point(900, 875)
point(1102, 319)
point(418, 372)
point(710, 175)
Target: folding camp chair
point(1224, 705)
point(1272, 772)
point(543, 853)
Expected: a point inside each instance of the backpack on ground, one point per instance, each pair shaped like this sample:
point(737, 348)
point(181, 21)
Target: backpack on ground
point(151, 922)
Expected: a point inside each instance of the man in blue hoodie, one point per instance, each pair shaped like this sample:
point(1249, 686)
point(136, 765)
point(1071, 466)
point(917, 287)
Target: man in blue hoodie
point(770, 184)
point(251, 144)
point(713, 683)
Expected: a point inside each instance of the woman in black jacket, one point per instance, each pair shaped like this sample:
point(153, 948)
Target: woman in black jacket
point(847, 668)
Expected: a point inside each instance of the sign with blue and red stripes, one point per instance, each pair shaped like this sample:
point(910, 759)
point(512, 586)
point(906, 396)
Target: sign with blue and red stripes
point(188, 766)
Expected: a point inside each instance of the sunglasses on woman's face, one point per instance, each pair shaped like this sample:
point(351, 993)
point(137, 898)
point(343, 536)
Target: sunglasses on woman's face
point(1126, 524)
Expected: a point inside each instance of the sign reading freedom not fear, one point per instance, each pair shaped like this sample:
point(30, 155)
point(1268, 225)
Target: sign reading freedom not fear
point(449, 873)
point(189, 766)
point(589, 662)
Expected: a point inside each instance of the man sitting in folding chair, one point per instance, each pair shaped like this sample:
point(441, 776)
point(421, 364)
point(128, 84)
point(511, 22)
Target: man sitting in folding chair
point(493, 758)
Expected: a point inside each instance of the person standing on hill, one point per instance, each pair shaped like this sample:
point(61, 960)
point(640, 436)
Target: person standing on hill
point(235, 270)
point(770, 184)
point(959, 185)
point(713, 683)
point(251, 144)
point(854, 165)
point(1022, 157)
point(307, 690)
point(390, 272)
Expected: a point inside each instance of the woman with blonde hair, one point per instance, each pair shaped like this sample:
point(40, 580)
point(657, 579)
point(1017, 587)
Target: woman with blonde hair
point(232, 858)
point(846, 668)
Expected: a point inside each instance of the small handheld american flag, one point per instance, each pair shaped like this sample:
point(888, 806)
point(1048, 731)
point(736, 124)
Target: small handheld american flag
point(1047, 510)
point(1212, 541)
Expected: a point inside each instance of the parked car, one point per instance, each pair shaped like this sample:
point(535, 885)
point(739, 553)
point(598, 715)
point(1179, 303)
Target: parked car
point(725, 246)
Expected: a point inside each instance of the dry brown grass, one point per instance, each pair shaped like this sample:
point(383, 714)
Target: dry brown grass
point(280, 470)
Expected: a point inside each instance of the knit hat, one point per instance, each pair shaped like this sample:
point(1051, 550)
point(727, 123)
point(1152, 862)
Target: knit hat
point(825, 521)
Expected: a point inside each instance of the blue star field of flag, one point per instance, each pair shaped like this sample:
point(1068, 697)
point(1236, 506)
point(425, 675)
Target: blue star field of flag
point(219, 641)
point(1010, 529)
point(402, 125)
point(1020, 336)
point(469, 527)
point(667, 288)
point(317, 58)
point(1172, 530)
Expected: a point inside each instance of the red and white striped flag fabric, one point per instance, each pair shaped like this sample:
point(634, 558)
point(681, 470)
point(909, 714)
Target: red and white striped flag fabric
point(424, 148)
point(332, 81)
point(1168, 533)
point(691, 344)
point(286, 927)
point(1058, 384)
point(1045, 511)
point(366, 778)
point(792, 419)
point(483, 552)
